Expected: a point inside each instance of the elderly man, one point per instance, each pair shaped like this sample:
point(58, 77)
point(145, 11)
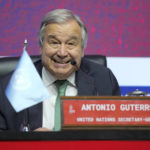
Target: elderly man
point(62, 39)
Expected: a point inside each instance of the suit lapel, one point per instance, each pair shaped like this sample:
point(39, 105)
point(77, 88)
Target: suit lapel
point(85, 84)
point(35, 116)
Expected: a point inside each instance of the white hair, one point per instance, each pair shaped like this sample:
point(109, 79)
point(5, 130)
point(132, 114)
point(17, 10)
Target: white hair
point(61, 16)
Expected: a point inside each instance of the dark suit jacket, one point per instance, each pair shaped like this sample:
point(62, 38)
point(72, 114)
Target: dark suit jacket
point(91, 79)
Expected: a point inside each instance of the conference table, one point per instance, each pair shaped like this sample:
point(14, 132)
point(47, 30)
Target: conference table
point(114, 139)
point(106, 137)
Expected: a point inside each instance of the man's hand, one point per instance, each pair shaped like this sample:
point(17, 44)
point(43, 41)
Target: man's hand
point(42, 130)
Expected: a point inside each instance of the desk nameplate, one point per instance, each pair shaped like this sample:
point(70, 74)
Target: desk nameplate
point(105, 112)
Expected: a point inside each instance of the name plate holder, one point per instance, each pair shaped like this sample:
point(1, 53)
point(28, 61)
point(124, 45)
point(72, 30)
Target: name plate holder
point(105, 112)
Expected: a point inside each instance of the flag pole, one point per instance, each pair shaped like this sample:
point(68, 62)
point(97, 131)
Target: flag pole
point(25, 44)
point(25, 125)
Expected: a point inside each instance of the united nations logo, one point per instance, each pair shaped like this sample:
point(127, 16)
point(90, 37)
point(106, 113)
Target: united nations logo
point(20, 80)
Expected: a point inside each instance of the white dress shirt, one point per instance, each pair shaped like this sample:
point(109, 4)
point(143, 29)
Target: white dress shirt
point(49, 105)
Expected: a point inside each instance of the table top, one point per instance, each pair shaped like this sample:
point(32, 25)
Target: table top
point(111, 134)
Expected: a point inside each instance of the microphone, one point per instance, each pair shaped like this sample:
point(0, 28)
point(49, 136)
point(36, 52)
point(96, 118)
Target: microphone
point(74, 63)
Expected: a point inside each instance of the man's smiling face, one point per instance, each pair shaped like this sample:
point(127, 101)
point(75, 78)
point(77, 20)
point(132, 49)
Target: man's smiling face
point(62, 43)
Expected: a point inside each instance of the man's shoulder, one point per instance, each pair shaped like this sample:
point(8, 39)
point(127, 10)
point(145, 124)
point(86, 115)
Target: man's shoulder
point(104, 79)
point(5, 79)
point(97, 71)
point(38, 66)
point(89, 66)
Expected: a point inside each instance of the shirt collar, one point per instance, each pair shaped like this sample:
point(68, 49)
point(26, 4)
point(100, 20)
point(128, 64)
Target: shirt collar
point(48, 79)
point(71, 79)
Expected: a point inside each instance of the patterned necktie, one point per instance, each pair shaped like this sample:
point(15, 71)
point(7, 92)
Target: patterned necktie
point(61, 87)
